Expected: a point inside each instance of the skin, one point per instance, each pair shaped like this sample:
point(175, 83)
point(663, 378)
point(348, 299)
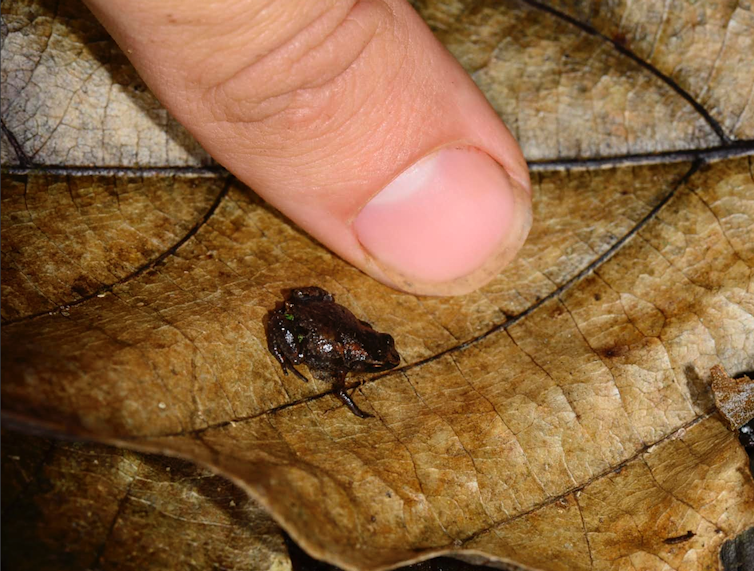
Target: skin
point(310, 328)
point(318, 105)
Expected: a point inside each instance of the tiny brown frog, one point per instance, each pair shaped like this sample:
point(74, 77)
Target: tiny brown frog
point(312, 329)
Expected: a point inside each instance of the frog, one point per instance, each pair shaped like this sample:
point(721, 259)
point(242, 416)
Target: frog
point(310, 328)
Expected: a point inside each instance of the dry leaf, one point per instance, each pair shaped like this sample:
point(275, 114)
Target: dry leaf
point(701, 47)
point(74, 238)
point(76, 506)
point(645, 77)
point(478, 444)
point(70, 96)
point(560, 418)
point(734, 398)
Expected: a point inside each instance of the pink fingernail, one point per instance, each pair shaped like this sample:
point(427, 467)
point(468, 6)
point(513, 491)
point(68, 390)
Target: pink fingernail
point(447, 217)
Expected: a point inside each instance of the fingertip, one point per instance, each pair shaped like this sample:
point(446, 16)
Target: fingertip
point(447, 225)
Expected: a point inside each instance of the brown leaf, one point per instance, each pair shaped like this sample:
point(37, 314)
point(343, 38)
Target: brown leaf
point(69, 239)
point(509, 429)
point(560, 418)
point(734, 398)
point(70, 96)
point(169, 323)
point(75, 506)
point(702, 47)
point(549, 79)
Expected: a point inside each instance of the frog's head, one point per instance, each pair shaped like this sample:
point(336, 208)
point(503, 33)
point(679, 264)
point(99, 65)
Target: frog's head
point(376, 352)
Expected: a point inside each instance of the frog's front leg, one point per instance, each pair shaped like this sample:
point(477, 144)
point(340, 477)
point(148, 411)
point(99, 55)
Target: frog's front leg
point(295, 372)
point(340, 392)
point(284, 352)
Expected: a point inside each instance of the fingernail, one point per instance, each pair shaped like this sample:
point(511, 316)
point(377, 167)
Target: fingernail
point(447, 224)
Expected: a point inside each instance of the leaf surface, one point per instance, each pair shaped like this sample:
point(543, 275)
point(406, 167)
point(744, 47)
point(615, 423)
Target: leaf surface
point(701, 47)
point(76, 506)
point(70, 96)
point(559, 418)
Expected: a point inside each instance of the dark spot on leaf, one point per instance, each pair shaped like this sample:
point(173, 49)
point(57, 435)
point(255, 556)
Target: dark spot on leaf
point(614, 351)
point(82, 286)
point(699, 388)
point(679, 538)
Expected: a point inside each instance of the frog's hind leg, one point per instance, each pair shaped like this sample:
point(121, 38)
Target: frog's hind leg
point(340, 392)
